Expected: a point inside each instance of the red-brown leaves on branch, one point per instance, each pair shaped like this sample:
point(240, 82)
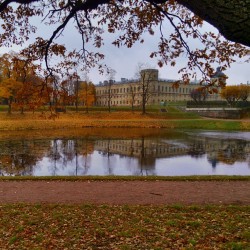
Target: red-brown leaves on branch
point(129, 19)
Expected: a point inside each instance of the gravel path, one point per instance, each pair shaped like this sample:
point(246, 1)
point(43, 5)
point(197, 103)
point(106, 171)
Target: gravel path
point(126, 192)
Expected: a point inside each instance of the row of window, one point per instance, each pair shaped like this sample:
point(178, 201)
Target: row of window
point(154, 151)
point(169, 95)
point(136, 102)
point(134, 89)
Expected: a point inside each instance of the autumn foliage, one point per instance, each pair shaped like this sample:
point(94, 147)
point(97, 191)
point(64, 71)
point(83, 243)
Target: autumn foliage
point(199, 95)
point(233, 94)
point(22, 86)
point(87, 94)
point(128, 20)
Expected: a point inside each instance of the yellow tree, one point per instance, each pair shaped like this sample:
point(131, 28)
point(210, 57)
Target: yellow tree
point(231, 94)
point(244, 92)
point(22, 70)
point(29, 95)
point(87, 94)
point(38, 97)
point(10, 89)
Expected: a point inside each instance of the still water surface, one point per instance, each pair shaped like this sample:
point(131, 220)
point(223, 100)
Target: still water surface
point(128, 152)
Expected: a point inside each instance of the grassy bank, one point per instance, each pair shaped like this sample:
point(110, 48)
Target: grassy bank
point(172, 120)
point(124, 227)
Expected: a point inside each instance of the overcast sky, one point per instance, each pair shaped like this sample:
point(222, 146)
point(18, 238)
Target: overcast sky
point(125, 61)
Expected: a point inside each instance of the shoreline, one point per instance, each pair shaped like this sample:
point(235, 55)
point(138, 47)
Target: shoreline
point(30, 122)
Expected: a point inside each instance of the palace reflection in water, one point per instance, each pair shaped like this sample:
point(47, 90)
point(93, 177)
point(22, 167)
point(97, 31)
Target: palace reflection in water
point(188, 153)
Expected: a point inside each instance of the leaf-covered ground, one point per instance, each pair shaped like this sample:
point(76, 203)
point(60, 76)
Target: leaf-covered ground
point(124, 227)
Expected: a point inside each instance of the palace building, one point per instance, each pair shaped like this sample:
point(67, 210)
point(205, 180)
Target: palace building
point(149, 86)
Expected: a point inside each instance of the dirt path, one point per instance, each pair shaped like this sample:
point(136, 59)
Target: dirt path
point(126, 192)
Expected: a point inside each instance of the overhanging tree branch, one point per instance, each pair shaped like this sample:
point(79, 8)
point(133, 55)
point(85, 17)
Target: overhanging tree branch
point(230, 18)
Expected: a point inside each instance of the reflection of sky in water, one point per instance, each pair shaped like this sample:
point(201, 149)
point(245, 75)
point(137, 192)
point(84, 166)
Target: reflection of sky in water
point(117, 165)
point(191, 153)
point(96, 165)
point(182, 166)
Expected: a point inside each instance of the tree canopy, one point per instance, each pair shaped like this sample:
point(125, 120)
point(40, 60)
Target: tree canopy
point(128, 20)
point(235, 93)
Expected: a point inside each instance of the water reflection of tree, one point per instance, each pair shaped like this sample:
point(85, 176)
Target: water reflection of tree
point(108, 154)
point(232, 151)
point(86, 148)
point(54, 155)
point(63, 152)
point(129, 150)
point(218, 149)
point(19, 157)
point(147, 162)
point(196, 149)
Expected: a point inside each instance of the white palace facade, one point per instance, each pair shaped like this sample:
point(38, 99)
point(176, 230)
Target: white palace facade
point(158, 91)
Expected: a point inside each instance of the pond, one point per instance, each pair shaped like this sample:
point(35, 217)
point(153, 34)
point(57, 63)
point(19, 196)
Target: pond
point(159, 152)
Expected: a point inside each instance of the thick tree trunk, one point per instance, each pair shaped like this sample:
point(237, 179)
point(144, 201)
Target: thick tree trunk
point(230, 17)
point(9, 106)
